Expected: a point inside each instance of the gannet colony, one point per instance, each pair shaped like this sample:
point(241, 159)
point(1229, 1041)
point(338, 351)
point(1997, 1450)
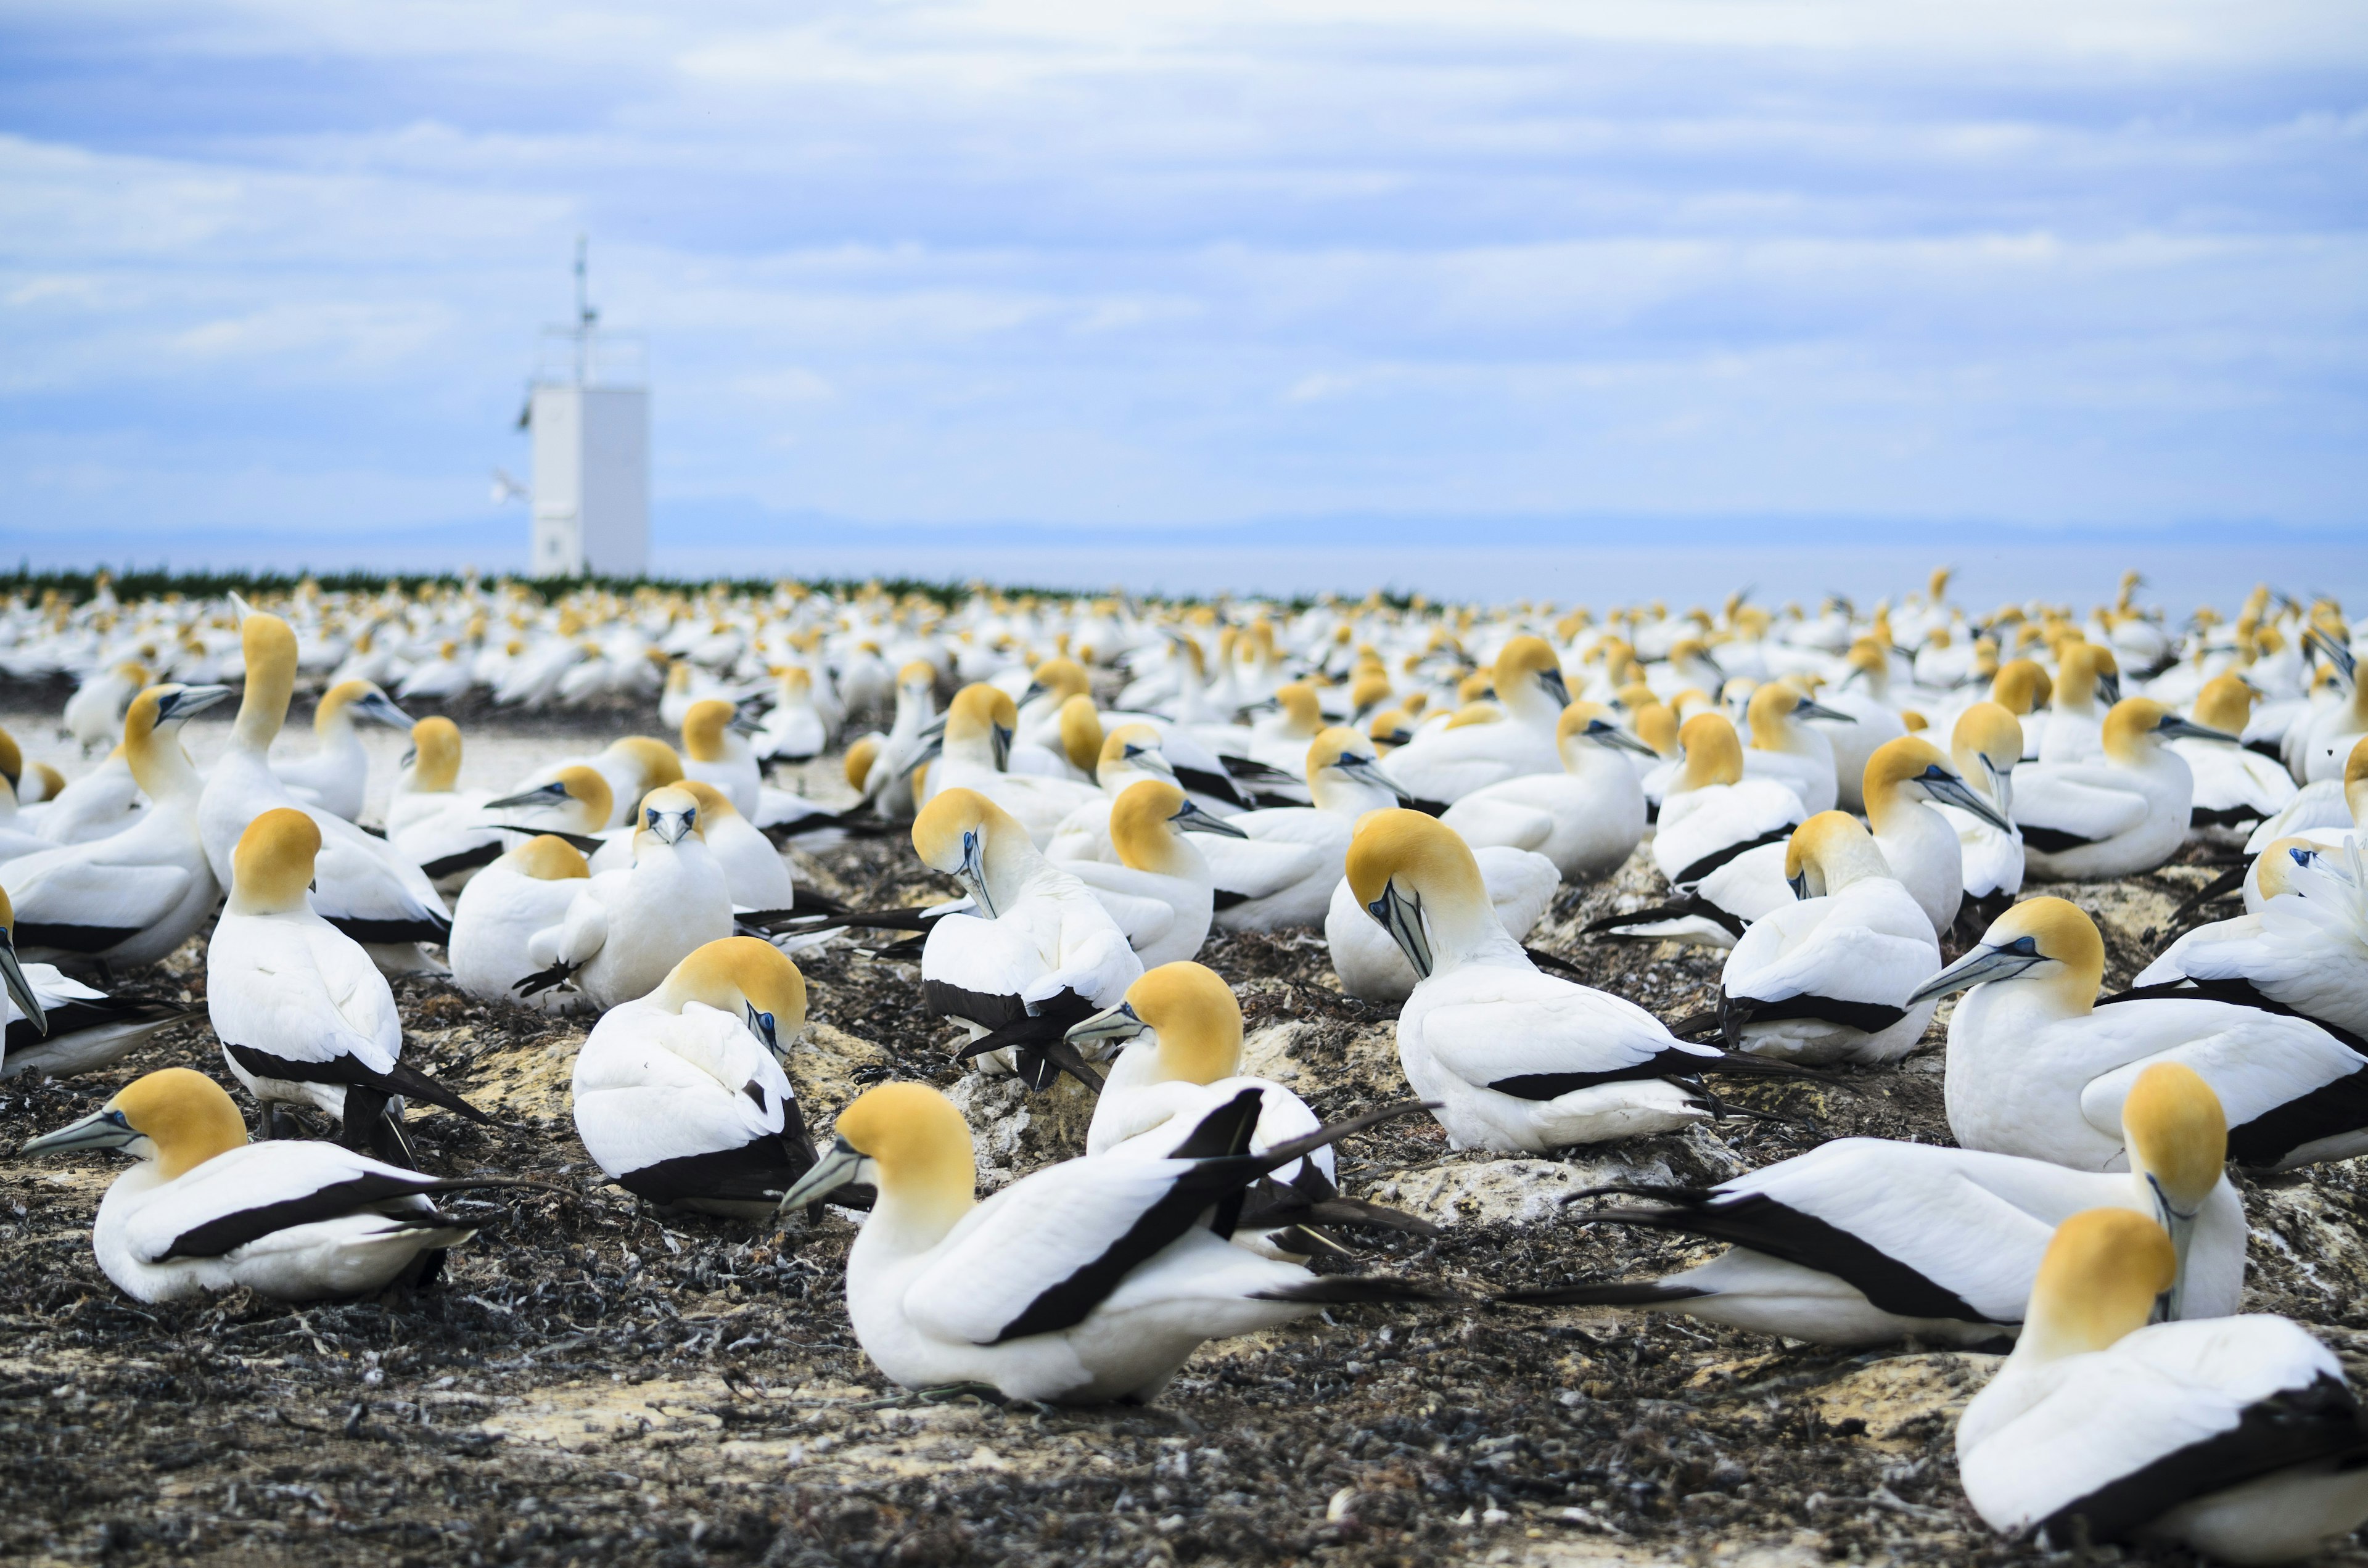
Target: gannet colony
point(769, 1075)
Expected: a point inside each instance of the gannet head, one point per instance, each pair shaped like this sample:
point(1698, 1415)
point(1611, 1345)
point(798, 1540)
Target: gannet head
point(547, 858)
point(1714, 754)
point(1369, 691)
point(1195, 1022)
point(271, 870)
point(176, 1117)
point(1911, 768)
point(12, 974)
point(1302, 712)
point(2086, 673)
point(2178, 1139)
point(1148, 815)
point(2098, 1282)
point(1058, 678)
point(751, 979)
point(1658, 728)
point(857, 764)
point(585, 790)
point(1528, 677)
point(2045, 942)
point(2021, 687)
point(2137, 726)
point(1340, 754)
point(983, 715)
point(1592, 724)
point(911, 1146)
point(704, 724)
point(1868, 663)
point(164, 708)
point(1417, 878)
point(653, 762)
point(714, 805)
point(2224, 704)
point(965, 835)
point(1128, 752)
point(1988, 738)
point(1829, 852)
point(1081, 733)
point(357, 700)
point(1774, 708)
point(669, 814)
point(435, 755)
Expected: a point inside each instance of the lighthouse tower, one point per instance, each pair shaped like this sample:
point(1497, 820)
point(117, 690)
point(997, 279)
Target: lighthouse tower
point(589, 410)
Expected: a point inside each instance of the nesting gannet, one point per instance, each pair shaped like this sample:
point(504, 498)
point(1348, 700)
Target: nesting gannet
point(2325, 741)
point(436, 827)
point(104, 800)
point(2235, 1437)
point(2088, 684)
point(1161, 891)
point(1586, 819)
point(54, 1024)
point(203, 1210)
point(335, 777)
point(2305, 951)
point(495, 919)
point(1863, 1240)
point(1448, 763)
point(1179, 1034)
point(574, 803)
point(1785, 749)
point(1087, 1281)
point(2037, 1067)
point(1517, 1060)
point(974, 742)
point(1520, 883)
point(758, 878)
point(2323, 813)
point(1720, 842)
point(624, 930)
point(1904, 779)
point(2116, 815)
point(630, 767)
point(303, 1017)
point(1863, 694)
point(1986, 745)
point(715, 750)
point(1038, 954)
point(366, 888)
point(680, 1097)
point(794, 730)
point(2236, 789)
point(1826, 978)
point(887, 782)
point(134, 897)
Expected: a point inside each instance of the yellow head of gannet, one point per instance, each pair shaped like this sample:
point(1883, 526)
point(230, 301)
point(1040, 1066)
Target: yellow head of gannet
point(1591, 724)
point(2096, 1284)
point(2225, 703)
point(1476, 713)
point(857, 764)
point(2177, 1135)
point(1528, 677)
point(1657, 726)
point(983, 714)
point(548, 858)
point(1390, 728)
point(351, 700)
point(703, 727)
point(2138, 726)
point(1059, 678)
point(1370, 690)
point(2021, 687)
point(656, 762)
point(751, 979)
point(1419, 881)
point(268, 647)
point(1829, 852)
point(1987, 738)
point(1775, 708)
point(1192, 1010)
point(2086, 673)
point(1081, 733)
point(919, 677)
point(178, 1118)
point(713, 803)
point(583, 790)
point(434, 757)
point(910, 1144)
point(1144, 822)
point(1128, 752)
point(150, 750)
point(1714, 754)
point(12, 760)
point(669, 814)
point(1303, 714)
point(271, 870)
point(2049, 940)
point(967, 836)
point(1909, 766)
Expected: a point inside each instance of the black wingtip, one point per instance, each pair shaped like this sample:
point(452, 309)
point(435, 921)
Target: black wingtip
point(1360, 1290)
point(1603, 1293)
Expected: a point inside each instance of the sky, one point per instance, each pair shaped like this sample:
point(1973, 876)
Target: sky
point(1079, 287)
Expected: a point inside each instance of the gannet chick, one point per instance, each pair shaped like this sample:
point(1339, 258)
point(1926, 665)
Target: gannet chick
point(1788, 751)
point(1865, 1240)
point(203, 1210)
point(1721, 844)
point(1586, 819)
point(1826, 979)
point(1448, 763)
point(1518, 1060)
point(1085, 1282)
point(2306, 952)
point(2038, 1068)
point(335, 777)
point(495, 917)
point(680, 1097)
point(1986, 745)
point(2114, 815)
point(1161, 892)
point(1904, 779)
point(1040, 954)
point(2234, 1436)
point(625, 930)
point(134, 896)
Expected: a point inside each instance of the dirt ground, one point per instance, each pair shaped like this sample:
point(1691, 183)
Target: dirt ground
point(593, 1381)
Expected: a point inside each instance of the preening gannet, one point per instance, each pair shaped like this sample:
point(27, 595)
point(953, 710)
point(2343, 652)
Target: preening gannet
point(625, 930)
point(1161, 892)
point(335, 777)
point(974, 742)
point(2117, 814)
point(1864, 1241)
point(1586, 819)
point(495, 919)
point(1520, 883)
point(1986, 745)
point(1904, 779)
point(2305, 951)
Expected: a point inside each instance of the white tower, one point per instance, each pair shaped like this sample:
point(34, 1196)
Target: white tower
point(590, 412)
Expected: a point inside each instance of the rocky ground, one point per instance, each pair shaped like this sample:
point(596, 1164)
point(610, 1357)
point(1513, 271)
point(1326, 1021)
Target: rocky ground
point(592, 1380)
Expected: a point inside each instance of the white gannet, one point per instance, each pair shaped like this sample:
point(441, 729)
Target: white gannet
point(1986, 745)
point(2235, 1437)
point(1863, 694)
point(2305, 951)
point(526, 891)
point(755, 875)
point(680, 1097)
point(442, 830)
point(794, 730)
point(1087, 1281)
point(2325, 739)
point(1130, 754)
point(1864, 1241)
point(631, 766)
point(1038, 954)
point(624, 930)
point(1586, 819)
point(715, 750)
point(1180, 1039)
point(1904, 779)
point(104, 800)
point(974, 742)
point(54, 1024)
point(2116, 814)
point(94, 714)
point(135, 896)
point(1160, 893)
point(2236, 789)
point(887, 783)
point(1785, 749)
point(2323, 813)
point(1826, 978)
point(1521, 884)
point(2038, 1067)
point(204, 1209)
point(1518, 1060)
point(2088, 683)
point(303, 1017)
point(1450, 762)
point(335, 777)
point(1720, 842)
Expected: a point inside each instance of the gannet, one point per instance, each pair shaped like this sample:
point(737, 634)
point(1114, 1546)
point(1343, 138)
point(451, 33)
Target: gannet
point(1517, 1060)
point(134, 896)
point(495, 919)
point(794, 730)
point(1786, 750)
point(2117, 814)
point(2235, 1437)
point(1863, 696)
point(2325, 741)
point(1586, 819)
point(1520, 883)
point(1904, 779)
point(444, 832)
point(2037, 1067)
point(1720, 842)
point(624, 930)
point(755, 874)
point(1087, 1281)
point(888, 783)
point(715, 750)
point(1038, 954)
point(203, 1210)
point(94, 714)
point(574, 804)
point(1986, 745)
point(2088, 683)
point(2323, 813)
point(2236, 789)
point(679, 1096)
point(303, 1017)
point(2305, 951)
point(975, 739)
point(1448, 763)
point(54, 1024)
point(335, 777)
point(1160, 893)
point(1864, 1241)
point(104, 800)
point(1178, 1034)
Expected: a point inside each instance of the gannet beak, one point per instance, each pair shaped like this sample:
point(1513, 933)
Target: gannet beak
point(935, 726)
point(1111, 1025)
point(931, 749)
point(840, 1164)
point(551, 794)
point(1192, 819)
point(1981, 965)
point(761, 1026)
point(2108, 686)
point(2183, 1228)
point(1552, 680)
point(1270, 705)
point(2173, 725)
point(1035, 690)
point(1800, 885)
point(1151, 759)
point(410, 756)
point(1368, 770)
point(189, 701)
point(1610, 734)
point(20, 989)
point(1002, 749)
point(744, 723)
point(1401, 917)
point(1957, 792)
point(671, 827)
point(378, 705)
point(1808, 710)
point(972, 872)
point(2001, 787)
point(104, 1128)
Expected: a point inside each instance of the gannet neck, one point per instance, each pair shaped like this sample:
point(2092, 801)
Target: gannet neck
point(272, 867)
point(1830, 851)
point(436, 767)
point(1714, 754)
point(270, 649)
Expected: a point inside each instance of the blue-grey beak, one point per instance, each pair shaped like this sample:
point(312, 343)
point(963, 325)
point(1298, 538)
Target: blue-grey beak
point(841, 1164)
point(1942, 785)
point(1809, 710)
point(187, 701)
point(972, 872)
point(1190, 818)
point(1400, 915)
point(671, 827)
point(19, 989)
point(1111, 1024)
point(1980, 966)
point(379, 706)
point(1552, 680)
point(104, 1128)
point(551, 794)
point(1610, 734)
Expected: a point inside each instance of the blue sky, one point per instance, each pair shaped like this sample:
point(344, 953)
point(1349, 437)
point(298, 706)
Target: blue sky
point(950, 277)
